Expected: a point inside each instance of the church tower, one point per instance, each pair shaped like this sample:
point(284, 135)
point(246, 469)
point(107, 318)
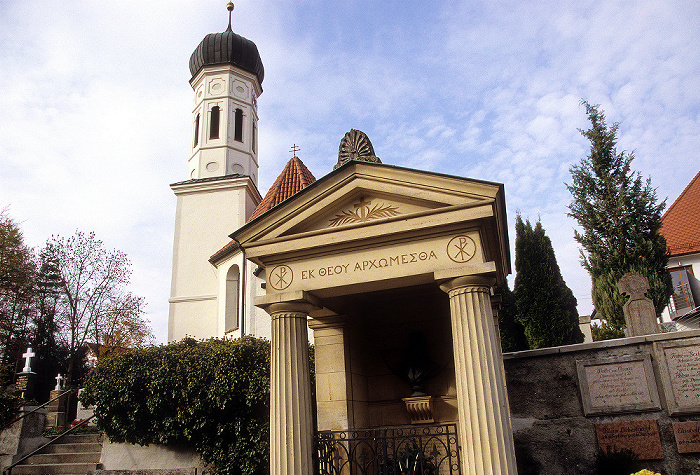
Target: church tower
point(220, 192)
point(227, 74)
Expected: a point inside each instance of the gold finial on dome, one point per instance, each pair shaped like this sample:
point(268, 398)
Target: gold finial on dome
point(229, 7)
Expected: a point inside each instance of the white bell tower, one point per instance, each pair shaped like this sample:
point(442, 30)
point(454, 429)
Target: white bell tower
point(226, 77)
point(220, 192)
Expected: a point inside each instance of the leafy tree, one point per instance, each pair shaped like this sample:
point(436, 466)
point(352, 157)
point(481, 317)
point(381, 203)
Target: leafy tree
point(545, 306)
point(51, 353)
point(620, 217)
point(512, 332)
point(17, 273)
point(123, 327)
point(92, 295)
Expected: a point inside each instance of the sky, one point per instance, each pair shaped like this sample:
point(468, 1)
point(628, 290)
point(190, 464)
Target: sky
point(95, 104)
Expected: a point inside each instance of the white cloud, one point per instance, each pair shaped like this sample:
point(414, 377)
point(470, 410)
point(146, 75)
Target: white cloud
point(95, 103)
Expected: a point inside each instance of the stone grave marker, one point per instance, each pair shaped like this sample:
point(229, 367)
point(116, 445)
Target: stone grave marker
point(625, 384)
point(640, 313)
point(26, 380)
point(641, 437)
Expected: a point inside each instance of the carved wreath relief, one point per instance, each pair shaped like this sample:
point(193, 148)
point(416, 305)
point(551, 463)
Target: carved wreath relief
point(364, 211)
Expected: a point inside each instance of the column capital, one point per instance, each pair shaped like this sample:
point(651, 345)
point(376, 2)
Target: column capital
point(327, 321)
point(298, 301)
point(475, 282)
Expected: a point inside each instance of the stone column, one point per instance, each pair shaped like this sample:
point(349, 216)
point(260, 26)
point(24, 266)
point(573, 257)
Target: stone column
point(291, 418)
point(333, 391)
point(485, 433)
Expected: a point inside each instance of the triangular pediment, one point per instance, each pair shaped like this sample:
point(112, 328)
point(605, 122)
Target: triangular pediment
point(362, 200)
point(369, 203)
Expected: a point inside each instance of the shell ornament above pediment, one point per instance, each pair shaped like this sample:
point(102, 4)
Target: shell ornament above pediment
point(355, 145)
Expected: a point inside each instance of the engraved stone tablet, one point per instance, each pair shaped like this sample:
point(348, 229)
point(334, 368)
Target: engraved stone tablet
point(641, 437)
point(680, 370)
point(621, 385)
point(687, 436)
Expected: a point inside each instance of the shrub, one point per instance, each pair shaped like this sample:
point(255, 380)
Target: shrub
point(213, 395)
point(617, 462)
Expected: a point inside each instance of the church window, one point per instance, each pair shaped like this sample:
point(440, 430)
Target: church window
point(214, 122)
point(196, 131)
point(231, 312)
point(238, 126)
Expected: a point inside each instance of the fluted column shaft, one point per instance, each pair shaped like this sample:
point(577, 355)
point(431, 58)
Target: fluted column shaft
point(485, 432)
point(291, 419)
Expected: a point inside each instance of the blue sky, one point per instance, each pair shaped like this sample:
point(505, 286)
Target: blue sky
point(95, 104)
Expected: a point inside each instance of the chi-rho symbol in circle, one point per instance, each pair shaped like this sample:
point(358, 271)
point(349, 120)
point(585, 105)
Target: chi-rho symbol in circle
point(281, 277)
point(461, 248)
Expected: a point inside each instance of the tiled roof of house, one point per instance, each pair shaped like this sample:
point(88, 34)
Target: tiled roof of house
point(294, 178)
point(680, 225)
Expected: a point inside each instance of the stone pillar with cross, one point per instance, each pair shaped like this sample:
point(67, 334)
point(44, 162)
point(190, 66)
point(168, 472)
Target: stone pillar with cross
point(56, 415)
point(25, 381)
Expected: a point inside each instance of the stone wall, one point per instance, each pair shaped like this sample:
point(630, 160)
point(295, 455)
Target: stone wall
point(23, 436)
point(129, 457)
point(566, 401)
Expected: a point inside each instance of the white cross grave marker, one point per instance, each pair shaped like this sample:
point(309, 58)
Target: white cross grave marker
point(27, 360)
point(59, 382)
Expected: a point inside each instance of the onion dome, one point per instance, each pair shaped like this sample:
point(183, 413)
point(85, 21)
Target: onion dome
point(227, 48)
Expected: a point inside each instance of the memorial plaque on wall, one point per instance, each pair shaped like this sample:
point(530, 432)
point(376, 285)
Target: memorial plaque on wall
point(625, 384)
point(687, 436)
point(641, 437)
point(679, 361)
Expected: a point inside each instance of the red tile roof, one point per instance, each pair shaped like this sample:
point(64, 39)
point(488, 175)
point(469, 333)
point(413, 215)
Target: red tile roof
point(680, 225)
point(294, 178)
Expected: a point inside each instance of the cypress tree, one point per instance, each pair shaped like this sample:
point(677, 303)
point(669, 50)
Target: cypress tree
point(545, 306)
point(620, 218)
point(512, 332)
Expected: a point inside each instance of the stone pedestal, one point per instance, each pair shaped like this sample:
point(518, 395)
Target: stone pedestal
point(56, 415)
point(485, 432)
point(291, 418)
point(25, 384)
point(420, 408)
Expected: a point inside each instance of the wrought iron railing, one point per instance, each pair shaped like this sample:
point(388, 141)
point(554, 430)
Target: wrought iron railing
point(415, 450)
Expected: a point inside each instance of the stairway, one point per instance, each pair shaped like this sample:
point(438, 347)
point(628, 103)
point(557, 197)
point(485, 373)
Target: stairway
point(72, 454)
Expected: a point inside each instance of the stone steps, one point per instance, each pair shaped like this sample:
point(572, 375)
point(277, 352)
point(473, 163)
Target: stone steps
point(72, 454)
point(54, 469)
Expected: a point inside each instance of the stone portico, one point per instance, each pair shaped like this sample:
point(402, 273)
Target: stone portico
point(381, 262)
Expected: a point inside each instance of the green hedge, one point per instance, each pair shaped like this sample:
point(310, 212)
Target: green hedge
point(213, 395)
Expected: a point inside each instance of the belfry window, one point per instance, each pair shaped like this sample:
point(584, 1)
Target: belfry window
point(196, 131)
point(214, 122)
point(238, 126)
